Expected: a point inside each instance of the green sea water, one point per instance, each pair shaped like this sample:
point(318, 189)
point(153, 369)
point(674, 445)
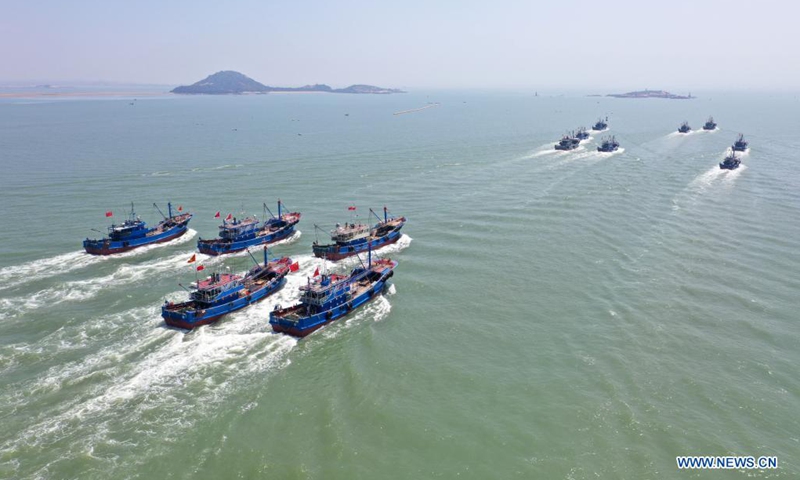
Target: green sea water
point(554, 315)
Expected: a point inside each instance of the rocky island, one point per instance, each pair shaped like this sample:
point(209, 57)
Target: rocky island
point(230, 82)
point(650, 94)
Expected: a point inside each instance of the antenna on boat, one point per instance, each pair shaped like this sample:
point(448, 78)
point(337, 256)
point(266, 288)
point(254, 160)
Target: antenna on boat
point(159, 210)
point(385, 214)
point(254, 258)
point(266, 256)
point(181, 285)
point(279, 208)
point(369, 254)
point(270, 211)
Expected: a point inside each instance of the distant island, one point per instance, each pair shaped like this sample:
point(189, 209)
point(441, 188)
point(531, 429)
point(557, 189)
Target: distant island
point(650, 94)
point(230, 82)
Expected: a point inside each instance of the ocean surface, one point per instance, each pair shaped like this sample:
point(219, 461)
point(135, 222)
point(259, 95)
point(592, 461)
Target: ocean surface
point(554, 315)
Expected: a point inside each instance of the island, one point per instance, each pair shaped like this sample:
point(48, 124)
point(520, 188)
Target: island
point(229, 82)
point(650, 94)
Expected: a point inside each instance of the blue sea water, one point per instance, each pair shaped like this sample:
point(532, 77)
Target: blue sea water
point(568, 315)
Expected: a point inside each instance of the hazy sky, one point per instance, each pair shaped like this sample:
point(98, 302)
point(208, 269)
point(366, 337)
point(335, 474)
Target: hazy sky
point(679, 45)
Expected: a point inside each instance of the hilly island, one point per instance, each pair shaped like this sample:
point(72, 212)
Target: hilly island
point(230, 82)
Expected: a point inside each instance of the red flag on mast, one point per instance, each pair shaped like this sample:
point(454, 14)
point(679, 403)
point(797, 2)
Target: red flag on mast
point(316, 272)
point(216, 215)
point(351, 208)
point(180, 208)
point(294, 267)
point(193, 259)
point(109, 213)
point(200, 267)
point(230, 215)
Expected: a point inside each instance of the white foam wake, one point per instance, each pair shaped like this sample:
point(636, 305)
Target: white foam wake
point(53, 266)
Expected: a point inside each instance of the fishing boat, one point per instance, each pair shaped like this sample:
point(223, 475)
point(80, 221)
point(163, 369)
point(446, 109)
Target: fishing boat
point(330, 296)
point(223, 293)
point(740, 145)
point(353, 238)
point(567, 143)
point(710, 124)
point(684, 128)
point(236, 235)
point(582, 134)
point(133, 232)
point(730, 162)
point(600, 125)
point(610, 144)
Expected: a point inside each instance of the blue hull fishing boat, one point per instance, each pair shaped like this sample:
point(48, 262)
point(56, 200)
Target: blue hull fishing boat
point(237, 235)
point(567, 143)
point(609, 145)
point(600, 125)
point(582, 134)
point(730, 162)
point(740, 145)
point(223, 293)
point(134, 233)
point(684, 128)
point(710, 124)
point(332, 297)
point(354, 238)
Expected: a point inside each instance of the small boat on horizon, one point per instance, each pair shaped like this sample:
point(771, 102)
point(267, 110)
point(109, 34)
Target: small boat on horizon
point(331, 296)
point(133, 232)
point(740, 145)
point(353, 238)
point(710, 124)
point(224, 293)
point(684, 128)
point(236, 235)
point(600, 125)
point(731, 162)
point(610, 144)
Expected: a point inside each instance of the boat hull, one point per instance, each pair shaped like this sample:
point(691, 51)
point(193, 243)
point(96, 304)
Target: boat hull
point(307, 325)
point(192, 318)
point(733, 166)
point(338, 252)
point(111, 247)
point(220, 247)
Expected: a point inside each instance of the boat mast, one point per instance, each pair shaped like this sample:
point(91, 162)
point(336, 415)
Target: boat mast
point(159, 211)
point(279, 208)
point(385, 215)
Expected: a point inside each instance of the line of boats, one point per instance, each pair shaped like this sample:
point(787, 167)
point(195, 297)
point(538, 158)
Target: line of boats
point(325, 297)
point(572, 140)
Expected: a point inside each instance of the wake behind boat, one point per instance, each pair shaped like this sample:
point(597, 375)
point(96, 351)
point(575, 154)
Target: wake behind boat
point(223, 293)
point(134, 233)
point(333, 296)
point(237, 235)
point(353, 238)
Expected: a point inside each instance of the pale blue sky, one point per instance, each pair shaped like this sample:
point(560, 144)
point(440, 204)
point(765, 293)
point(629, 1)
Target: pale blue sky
point(680, 45)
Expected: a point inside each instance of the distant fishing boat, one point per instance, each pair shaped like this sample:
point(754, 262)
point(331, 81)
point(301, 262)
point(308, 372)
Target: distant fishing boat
point(133, 232)
point(740, 145)
point(710, 124)
point(600, 125)
point(329, 297)
point(223, 293)
point(582, 134)
point(730, 162)
point(236, 235)
point(353, 238)
point(610, 144)
point(684, 128)
point(567, 143)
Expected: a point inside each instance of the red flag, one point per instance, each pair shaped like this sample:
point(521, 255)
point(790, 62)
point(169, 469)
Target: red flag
point(316, 272)
point(217, 215)
point(230, 215)
point(180, 208)
point(294, 267)
point(109, 214)
point(351, 208)
point(193, 259)
point(200, 267)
